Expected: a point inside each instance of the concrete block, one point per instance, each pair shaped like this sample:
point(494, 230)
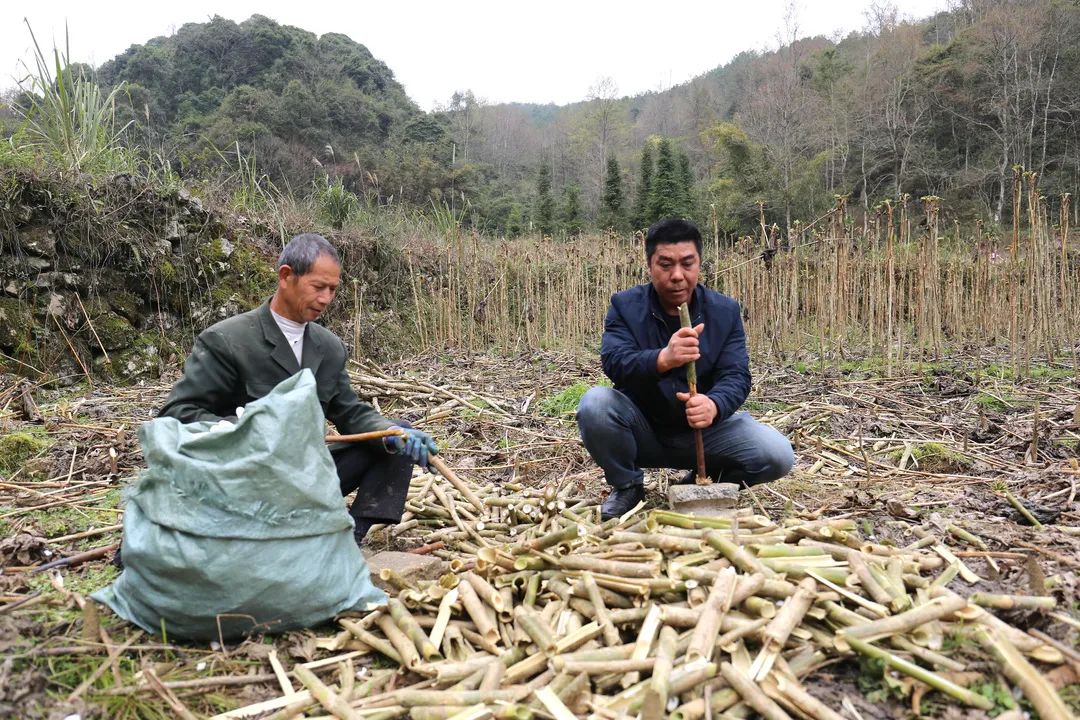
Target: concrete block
point(413, 568)
point(715, 499)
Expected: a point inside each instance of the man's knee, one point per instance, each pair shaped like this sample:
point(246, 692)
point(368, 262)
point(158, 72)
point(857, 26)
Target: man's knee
point(777, 457)
point(596, 406)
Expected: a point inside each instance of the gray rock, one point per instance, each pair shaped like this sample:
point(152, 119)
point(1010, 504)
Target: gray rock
point(16, 324)
point(37, 240)
point(57, 281)
point(33, 264)
point(140, 361)
point(713, 499)
point(112, 332)
point(57, 305)
point(172, 230)
point(227, 248)
point(411, 567)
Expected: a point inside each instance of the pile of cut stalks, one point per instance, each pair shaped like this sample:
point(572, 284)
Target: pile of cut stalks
point(547, 612)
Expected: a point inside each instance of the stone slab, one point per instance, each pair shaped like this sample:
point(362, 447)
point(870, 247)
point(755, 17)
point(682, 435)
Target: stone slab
point(413, 568)
point(714, 499)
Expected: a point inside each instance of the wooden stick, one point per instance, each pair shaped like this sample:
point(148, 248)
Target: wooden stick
point(85, 534)
point(74, 354)
point(167, 695)
point(108, 360)
point(691, 380)
point(361, 437)
point(437, 463)
point(76, 559)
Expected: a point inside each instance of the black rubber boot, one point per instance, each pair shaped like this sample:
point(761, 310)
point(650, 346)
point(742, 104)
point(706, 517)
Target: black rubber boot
point(620, 502)
point(361, 529)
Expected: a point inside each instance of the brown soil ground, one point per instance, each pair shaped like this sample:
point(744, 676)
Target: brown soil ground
point(936, 446)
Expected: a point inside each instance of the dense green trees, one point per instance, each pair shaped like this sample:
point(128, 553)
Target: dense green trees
point(305, 105)
point(664, 189)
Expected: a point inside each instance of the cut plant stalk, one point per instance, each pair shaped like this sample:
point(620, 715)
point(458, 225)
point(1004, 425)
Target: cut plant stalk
point(655, 703)
point(1020, 508)
point(611, 633)
point(711, 618)
point(650, 626)
point(1012, 602)
point(404, 619)
point(935, 609)
point(536, 628)
point(754, 696)
point(691, 380)
point(776, 633)
point(402, 644)
point(330, 700)
point(930, 678)
point(1037, 690)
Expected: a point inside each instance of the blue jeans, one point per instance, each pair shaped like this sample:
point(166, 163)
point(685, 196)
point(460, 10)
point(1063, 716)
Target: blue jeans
point(621, 441)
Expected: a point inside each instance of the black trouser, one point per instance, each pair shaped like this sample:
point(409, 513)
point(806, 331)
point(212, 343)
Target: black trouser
point(381, 480)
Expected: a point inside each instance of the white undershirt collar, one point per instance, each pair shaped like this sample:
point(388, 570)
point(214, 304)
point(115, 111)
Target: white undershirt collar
point(293, 332)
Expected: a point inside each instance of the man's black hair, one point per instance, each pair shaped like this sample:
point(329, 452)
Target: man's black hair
point(303, 250)
point(671, 230)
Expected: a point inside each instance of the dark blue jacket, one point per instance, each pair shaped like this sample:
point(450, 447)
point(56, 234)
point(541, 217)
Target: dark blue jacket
point(634, 334)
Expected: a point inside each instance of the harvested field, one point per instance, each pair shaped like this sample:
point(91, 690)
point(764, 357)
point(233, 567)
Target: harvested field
point(955, 452)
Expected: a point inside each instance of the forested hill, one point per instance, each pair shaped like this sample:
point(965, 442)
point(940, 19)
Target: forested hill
point(947, 106)
point(301, 100)
point(944, 106)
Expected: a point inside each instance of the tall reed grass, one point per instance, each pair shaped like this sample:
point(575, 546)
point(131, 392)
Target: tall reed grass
point(839, 291)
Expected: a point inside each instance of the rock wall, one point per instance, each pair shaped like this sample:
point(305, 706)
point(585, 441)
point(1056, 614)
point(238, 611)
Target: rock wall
point(112, 277)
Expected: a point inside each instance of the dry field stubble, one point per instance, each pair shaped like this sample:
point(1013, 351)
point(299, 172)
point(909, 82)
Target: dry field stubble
point(936, 449)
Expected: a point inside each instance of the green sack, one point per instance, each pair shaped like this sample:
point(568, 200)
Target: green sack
point(234, 529)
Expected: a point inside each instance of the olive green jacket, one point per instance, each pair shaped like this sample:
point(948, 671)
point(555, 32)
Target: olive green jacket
point(242, 358)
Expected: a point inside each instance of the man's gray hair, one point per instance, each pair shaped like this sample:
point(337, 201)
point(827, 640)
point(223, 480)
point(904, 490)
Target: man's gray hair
point(303, 250)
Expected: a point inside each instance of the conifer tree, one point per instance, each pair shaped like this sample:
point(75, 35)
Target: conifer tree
point(644, 189)
point(664, 194)
point(514, 221)
point(545, 205)
point(571, 210)
point(611, 210)
point(686, 186)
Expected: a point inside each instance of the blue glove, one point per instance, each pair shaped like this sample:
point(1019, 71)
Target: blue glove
point(417, 444)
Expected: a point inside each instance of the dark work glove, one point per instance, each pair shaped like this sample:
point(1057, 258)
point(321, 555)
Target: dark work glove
point(417, 444)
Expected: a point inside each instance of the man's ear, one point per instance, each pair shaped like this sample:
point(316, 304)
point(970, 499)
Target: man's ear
point(284, 273)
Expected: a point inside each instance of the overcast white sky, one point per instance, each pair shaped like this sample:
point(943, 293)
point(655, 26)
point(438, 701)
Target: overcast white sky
point(503, 50)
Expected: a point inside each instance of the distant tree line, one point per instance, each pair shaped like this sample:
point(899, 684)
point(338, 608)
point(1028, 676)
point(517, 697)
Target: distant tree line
point(945, 106)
